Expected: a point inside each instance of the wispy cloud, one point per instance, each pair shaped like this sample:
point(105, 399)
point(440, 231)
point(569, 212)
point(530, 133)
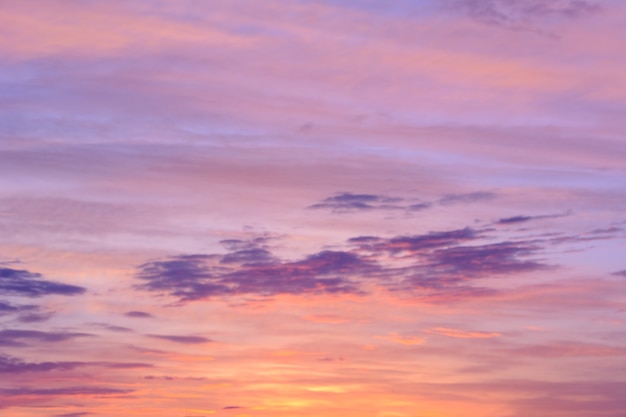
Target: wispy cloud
point(186, 340)
point(15, 337)
point(29, 284)
point(12, 365)
point(138, 314)
point(346, 202)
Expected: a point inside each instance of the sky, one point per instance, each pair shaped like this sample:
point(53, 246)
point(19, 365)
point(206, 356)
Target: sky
point(306, 208)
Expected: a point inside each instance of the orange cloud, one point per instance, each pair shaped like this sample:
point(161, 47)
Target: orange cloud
point(461, 334)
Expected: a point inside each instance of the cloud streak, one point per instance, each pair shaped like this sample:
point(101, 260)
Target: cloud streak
point(29, 284)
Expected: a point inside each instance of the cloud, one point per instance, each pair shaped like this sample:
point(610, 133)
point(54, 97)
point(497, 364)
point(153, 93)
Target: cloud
point(8, 308)
point(11, 337)
point(12, 365)
point(620, 273)
point(188, 340)
point(27, 313)
point(462, 334)
point(113, 328)
point(518, 13)
point(29, 284)
point(515, 219)
point(497, 258)
point(347, 202)
point(477, 196)
point(406, 340)
point(414, 243)
point(524, 219)
point(34, 317)
point(63, 391)
point(138, 314)
point(194, 277)
point(253, 256)
point(564, 349)
point(444, 262)
point(77, 414)
point(437, 262)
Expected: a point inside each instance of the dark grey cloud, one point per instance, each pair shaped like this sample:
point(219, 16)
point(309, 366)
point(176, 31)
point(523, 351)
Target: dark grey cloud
point(188, 340)
point(29, 284)
point(13, 337)
point(138, 314)
point(77, 414)
point(232, 407)
point(620, 273)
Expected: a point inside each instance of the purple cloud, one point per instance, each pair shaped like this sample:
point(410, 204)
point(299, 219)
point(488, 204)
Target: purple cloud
point(188, 340)
point(34, 317)
point(12, 365)
point(193, 277)
point(443, 261)
point(63, 391)
point(29, 284)
point(11, 337)
point(7, 308)
point(515, 219)
point(498, 258)
point(517, 13)
point(138, 314)
point(465, 198)
point(414, 243)
point(347, 202)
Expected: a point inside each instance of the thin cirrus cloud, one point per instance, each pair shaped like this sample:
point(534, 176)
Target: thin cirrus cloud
point(44, 392)
point(13, 365)
point(18, 337)
point(138, 314)
point(77, 414)
point(346, 202)
point(185, 340)
point(520, 14)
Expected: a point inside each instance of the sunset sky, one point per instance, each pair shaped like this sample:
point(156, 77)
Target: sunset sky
point(313, 208)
